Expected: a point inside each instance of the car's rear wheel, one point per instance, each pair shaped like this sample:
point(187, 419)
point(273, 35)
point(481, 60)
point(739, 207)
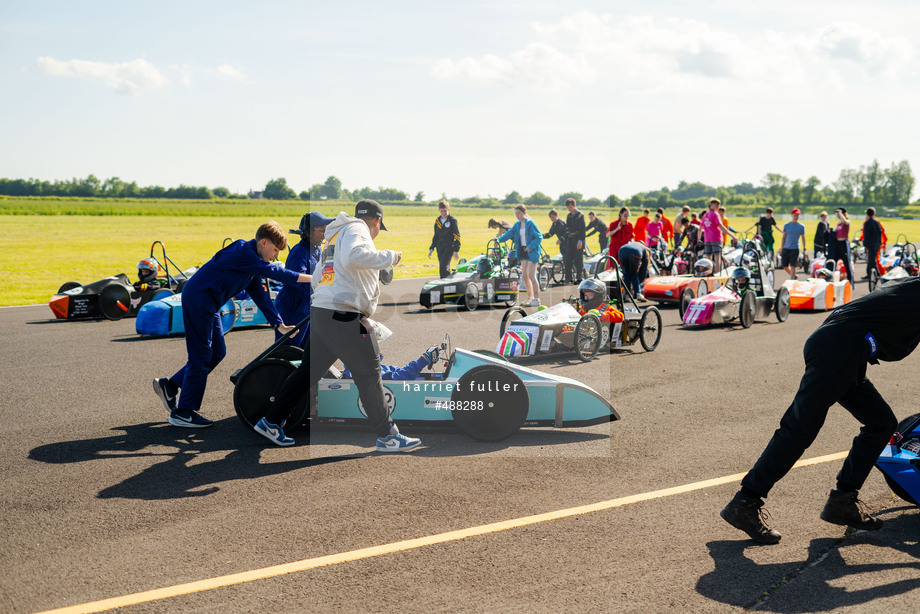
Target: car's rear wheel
point(702, 289)
point(255, 390)
point(161, 294)
point(114, 301)
point(748, 309)
point(588, 336)
point(650, 329)
point(490, 403)
point(470, 300)
point(543, 277)
point(515, 313)
point(68, 285)
point(782, 304)
point(287, 352)
point(873, 279)
point(558, 275)
point(685, 297)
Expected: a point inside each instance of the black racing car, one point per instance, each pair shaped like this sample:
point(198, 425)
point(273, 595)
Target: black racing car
point(490, 283)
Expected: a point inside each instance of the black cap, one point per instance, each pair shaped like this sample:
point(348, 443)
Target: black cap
point(370, 208)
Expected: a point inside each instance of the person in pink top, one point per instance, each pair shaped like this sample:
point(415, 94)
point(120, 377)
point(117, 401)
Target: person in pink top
point(842, 240)
point(713, 230)
point(653, 231)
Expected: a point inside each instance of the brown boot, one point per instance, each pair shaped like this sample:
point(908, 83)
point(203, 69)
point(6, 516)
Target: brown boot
point(844, 507)
point(748, 515)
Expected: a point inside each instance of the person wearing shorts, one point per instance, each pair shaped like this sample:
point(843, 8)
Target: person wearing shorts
point(713, 229)
point(793, 232)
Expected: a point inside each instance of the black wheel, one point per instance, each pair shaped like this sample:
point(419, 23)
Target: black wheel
point(69, 285)
point(896, 488)
point(650, 329)
point(490, 403)
point(685, 297)
point(180, 286)
point(781, 305)
point(748, 309)
point(491, 354)
point(470, 300)
point(461, 261)
point(114, 301)
point(255, 390)
point(873, 279)
point(702, 289)
point(287, 352)
point(543, 277)
point(514, 297)
point(515, 313)
point(588, 336)
point(558, 276)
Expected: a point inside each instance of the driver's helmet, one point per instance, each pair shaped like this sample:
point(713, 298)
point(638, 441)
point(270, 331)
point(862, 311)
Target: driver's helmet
point(599, 289)
point(147, 269)
point(741, 276)
point(484, 266)
point(703, 267)
point(825, 274)
point(380, 331)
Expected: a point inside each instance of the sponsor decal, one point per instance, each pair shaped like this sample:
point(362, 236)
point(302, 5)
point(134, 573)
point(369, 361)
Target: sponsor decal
point(75, 291)
point(435, 297)
point(617, 329)
point(547, 340)
point(490, 292)
point(449, 289)
point(388, 398)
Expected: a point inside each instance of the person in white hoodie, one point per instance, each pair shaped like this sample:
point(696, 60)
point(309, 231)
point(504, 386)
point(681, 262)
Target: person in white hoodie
point(346, 288)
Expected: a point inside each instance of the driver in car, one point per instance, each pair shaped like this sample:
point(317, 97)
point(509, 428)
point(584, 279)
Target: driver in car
point(592, 296)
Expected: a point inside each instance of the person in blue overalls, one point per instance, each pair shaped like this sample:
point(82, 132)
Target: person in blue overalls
point(240, 265)
point(293, 300)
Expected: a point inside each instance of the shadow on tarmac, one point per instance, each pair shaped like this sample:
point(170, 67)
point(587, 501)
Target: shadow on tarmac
point(174, 478)
point(738, 581)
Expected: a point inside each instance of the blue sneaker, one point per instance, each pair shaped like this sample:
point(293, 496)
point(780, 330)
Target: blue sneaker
point(161, 386)
point(273, 432)
point(192, 420)
point(397, 442)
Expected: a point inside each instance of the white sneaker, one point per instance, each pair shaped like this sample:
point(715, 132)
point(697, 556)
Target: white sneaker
point(397, 442)
point(534, 302)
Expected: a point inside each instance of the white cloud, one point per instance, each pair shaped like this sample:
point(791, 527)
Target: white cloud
point(229, 72)
point(668, 54)
point(127, 78)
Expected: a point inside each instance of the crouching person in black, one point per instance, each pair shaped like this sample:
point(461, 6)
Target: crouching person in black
point(880, 326)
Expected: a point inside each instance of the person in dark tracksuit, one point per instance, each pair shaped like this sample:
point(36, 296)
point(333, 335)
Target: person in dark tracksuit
point(557, 229)
point(238, 266)
point(293, 300)
point(597, 226)
point(575, 244)
point(872, 239)
point(879, 326)
point(633, 257)
point(446, 239)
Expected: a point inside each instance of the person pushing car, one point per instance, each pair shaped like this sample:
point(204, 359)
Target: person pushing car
point(239, 266)
point(881, 326)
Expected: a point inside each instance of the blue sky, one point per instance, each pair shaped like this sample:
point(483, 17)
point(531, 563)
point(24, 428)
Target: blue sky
point(462, 98)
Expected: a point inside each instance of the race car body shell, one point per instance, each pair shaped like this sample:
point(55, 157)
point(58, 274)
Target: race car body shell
point(714, 308)
point(452, 289)
point(668, 288)
point(817, 294)
point(553, 400)
point(164, 317)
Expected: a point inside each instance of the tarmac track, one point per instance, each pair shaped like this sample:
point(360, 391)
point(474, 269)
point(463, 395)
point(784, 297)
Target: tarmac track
point(100, 498)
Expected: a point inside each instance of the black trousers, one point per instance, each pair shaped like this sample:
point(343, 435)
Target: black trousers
point(835, 372)
point(841, 252)
point(444, 257)
point(294, 388)
point(573, 261)
point(871, 255)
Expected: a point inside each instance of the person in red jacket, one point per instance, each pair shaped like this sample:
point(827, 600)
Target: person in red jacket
point(620, 233)
point(641, 223)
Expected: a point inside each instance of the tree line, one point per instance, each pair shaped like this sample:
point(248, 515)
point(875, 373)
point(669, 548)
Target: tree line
point(869, 185)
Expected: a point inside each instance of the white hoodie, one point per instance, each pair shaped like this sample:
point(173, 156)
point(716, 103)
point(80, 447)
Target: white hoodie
point(350, 281)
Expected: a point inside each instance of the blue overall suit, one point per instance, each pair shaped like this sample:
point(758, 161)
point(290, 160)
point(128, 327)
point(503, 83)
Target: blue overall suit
point(293, 300)
point(235, 268)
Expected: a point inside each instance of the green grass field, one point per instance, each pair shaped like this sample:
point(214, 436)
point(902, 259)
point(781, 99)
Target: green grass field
point(41, 249)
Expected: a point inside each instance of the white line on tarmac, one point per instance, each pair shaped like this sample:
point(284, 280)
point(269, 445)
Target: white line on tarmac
point(409, 544)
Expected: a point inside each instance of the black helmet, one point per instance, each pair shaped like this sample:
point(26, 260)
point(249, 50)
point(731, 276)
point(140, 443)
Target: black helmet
point(484, 266)
point(703, 267)
point(599, 289)
point(741, 276)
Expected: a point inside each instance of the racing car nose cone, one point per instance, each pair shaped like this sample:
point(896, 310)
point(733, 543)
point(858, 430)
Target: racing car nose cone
point(58, 304)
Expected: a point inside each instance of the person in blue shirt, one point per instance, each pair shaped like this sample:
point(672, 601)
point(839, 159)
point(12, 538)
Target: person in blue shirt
point(239, 266)
point(293, 300)
point(526, 238)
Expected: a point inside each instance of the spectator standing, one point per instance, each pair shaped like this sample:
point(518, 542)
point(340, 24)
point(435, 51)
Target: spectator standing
point(641, 223)
point(446, 239)
point(653, 232)
point(526, 238)
point(713, 230)
point(667, 227)
point(678, 224)
point(822, 235)
point(574, 250)
point(872, 239)
point(765, 226)
point(842, 240)
point(793, 232)
point(597, 226)
point(620, 233)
